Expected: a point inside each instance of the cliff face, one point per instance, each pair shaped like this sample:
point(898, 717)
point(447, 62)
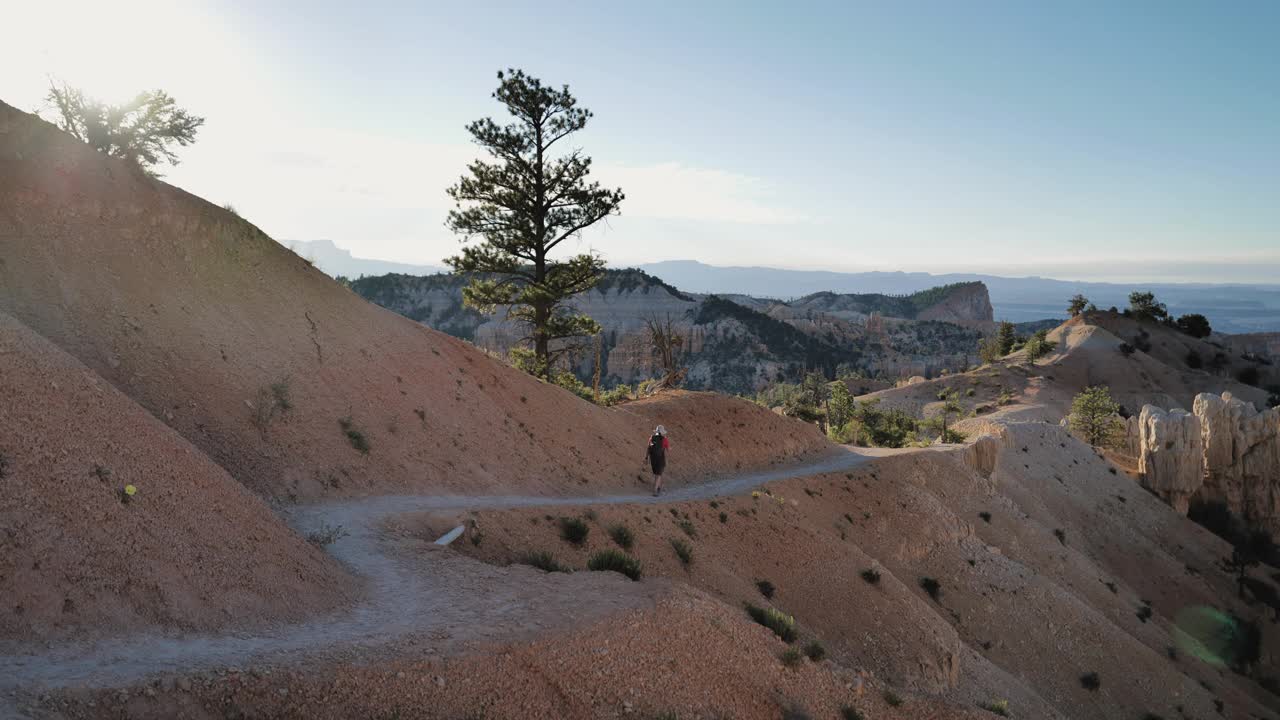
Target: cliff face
point(1170, 451)
point(968, 305)
point(732, 344)
point(1225, 452)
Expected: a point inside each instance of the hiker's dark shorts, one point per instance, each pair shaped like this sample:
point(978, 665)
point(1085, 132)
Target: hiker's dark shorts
point(658, 464)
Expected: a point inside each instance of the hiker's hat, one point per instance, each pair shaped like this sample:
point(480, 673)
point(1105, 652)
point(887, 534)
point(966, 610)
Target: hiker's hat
point(660, 430)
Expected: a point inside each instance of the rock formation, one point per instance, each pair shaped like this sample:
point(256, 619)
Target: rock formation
point(1170, 455)
point(1241, 458)
point(1225, 452)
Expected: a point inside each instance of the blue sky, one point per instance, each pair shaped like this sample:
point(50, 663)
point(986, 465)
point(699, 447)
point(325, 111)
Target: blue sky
point(1123, 141)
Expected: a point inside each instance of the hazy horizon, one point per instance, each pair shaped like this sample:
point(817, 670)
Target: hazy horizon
point(1091, 142)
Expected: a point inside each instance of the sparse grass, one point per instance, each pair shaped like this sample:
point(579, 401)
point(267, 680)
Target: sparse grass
point(986, 516)
point(354, 435)
point(791, 657)
point(1090, 681)
point(766, 588)
point(687, 526)
point(814, 651)
point(849, 712)
point(1144, 613)
point(326, 535)
point(996, 707)
point(611, 560)
point(544, 561)
point(871, 575)
point(621, 535)
point(931, 586)
point(724, 517)
point(683, 551)
point(574, 530)
point(782, 624)
point(893, 698)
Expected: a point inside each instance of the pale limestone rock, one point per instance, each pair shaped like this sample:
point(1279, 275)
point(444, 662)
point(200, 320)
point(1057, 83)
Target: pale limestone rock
point(1241, 458)
point(1170, 454)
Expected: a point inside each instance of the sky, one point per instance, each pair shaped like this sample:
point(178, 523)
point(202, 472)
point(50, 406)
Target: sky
point(1085, 140)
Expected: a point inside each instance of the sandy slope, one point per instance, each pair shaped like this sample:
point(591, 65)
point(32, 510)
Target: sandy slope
point(192, 549)
point(195, 314)
point(1021, 616)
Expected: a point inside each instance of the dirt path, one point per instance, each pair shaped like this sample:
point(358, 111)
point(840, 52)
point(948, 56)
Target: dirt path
point(429, 602)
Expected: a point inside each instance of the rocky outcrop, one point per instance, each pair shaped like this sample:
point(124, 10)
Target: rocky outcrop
point(968, 304)
point(1241, 458)
point(1225, 451)
point(1169, 455)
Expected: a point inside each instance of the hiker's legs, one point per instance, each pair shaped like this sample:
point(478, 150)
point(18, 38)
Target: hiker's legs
point(657, 484)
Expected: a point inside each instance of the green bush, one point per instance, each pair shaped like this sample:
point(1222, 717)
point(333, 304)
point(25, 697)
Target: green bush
point(782, 624)
point(871, 575)
point(574, 530)
point(611, 560)
point(791, 657)
point(998, 707)
point(814, 651)
point(354, 435)
point(892, 698)
point(683, 551)
point(687, 526)
point(849, 712)
point(621, 535)
point(1090, 681)
point(543, 561)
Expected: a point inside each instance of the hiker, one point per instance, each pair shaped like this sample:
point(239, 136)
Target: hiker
point(656, 454)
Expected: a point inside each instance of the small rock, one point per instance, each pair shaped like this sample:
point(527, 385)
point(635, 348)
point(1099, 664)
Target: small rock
point(184, 685)
point(150, 691)
point(400, 675)
point(283, 692)
point(439, 681)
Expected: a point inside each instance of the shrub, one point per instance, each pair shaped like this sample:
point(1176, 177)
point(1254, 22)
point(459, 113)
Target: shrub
point(724, 517)
point(1039, 345)
point(1194, 361)
point(931, 586)
point(814, 651)
point(969, 392)
point(683, 551)
point(621, 535)
point(892, 698)
point(1093, 416)
point(354, 435)
point(543, 561)
point(986, 516)
point(871, 575)
point(4, 465)
point(998, 707)
point(782, 624)
point(1061, 535)
point(610, 560)
point(1144, 613)
point(326, 535)
point(766, 588)
point(574, 530)
point(1195, 325)
point(849, 712)
point(1090, 681)
point(791, 657)
point(1248, 376)
point(687, 526)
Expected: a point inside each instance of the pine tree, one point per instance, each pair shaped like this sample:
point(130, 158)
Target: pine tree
point(141, 131)
point(1077, 305)
point(1094, 415)
point(522, 206)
